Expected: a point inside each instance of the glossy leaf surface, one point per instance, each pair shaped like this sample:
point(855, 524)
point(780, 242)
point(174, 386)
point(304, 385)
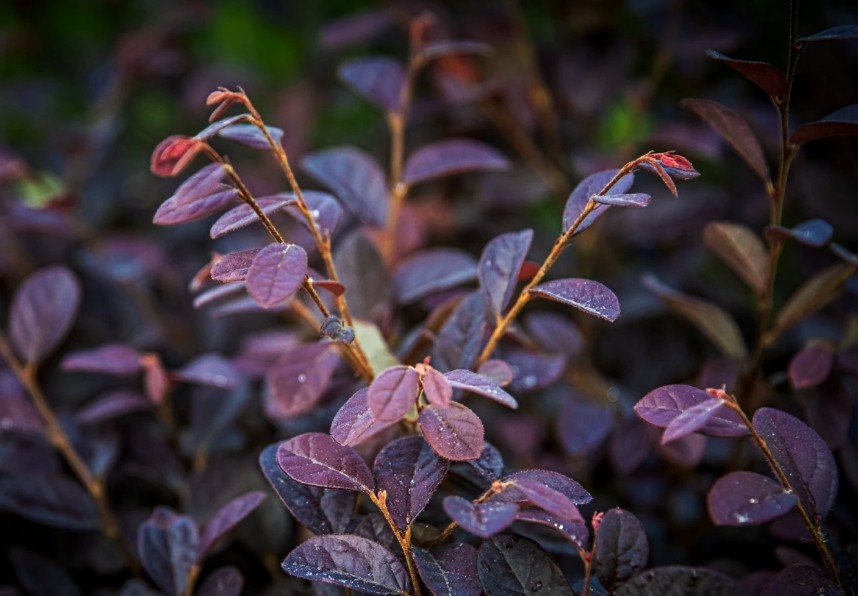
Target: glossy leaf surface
point(455, 433)
point(745, 498)
point(763, 75)
point(480, 519)
point(584, 294)
point(594, 184)
point(510, 564)
point(243, 215)
point(481, 385)
point(276, 273)
point(318, 460)
point(499, 266)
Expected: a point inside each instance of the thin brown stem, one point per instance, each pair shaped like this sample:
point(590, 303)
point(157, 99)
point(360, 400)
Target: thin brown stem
point(95, 485)
point(403, 538)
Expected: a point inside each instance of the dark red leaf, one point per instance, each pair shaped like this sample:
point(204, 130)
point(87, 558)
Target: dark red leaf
point(843, 122)
point(500, 264)
point(167, 543)
point(447, 47)
point(226, 518)
point(455, 433)
point(661, 406)
point(393, 393)
point(172, 212)
point(437, 388)
point(745, 498)
point(764, 75)
point(621, 550)
point(356, 179)
point(629, 446)
point(43, 310)
point(212, 370)
point(173, 154)
point(813, 232)
point(463, 334)
point(584, 294)
point(318, 460)
point(298, 380)
point(626, 200)
point(811, 366)
point(349, 561)
point(481, 385)
point(451, 156)
point(111, 359)
point(354, 423)
point(112, 405)
point(244, 215)
point(734, 130)
point(251, 136)
point(377, 78)
point(233, 266)
point(836, 32)
point(481, 519)
point(43, 577)
point(510, 564)
point(155, 380)
point(276, 274)
point(803, 455)
point(430, 271)
point(815, 293)
point(593, 184)
point(410, 471)
point(450, 570)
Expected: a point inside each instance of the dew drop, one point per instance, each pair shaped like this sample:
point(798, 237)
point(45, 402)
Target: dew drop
point(302, 378)
point(741, 518)
point(528, 381)
point(536, 587)
point(6, 423)
point(315, 213)
point(753, 501)
point(220, 380)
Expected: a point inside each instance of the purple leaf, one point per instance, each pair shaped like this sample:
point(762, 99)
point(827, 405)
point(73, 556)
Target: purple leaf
point(200, 185)
point(437, 388)
point(660, 406)
point(324, 209)
point(251, 136)
point(455, 433)
point(451, 156)
point(356, 179)
point(629, 445)
point(583, 425)
point(349, 561)
point(801, 580)
point(276, 274)
point(112, 405)
point(803, 455)
point(111, 359)
point(393, 393)
point(574, 530)
point(450, 570)
point(621, 550)
point(480, 519)
point(499, 266)
point(553, 480)
point(818, 291)
point(377, 78)
point(172, 212)
point(546, 498)
point(555, 333)
point(43, 310)
point(234, 266)
point(298, 379)
point(430, 271)
point(811, 366)
point(17, 412)
point(364, 274)
point(212, 412)
point(227, 290)
point(745, 498)
point(763, 75)
point(490, 463)
point(533, 370)
point(584, 294)
point(674, 579)
point(212, 129)
point(813, 232)
point(481, 385)
point(318, 460)
point(354, 28)
point(625, 200)
point(692, 419)
point(320, 510)
point(463, 334)
point(354, 423)
point(167, 544)
point(53, 500)
point(223, 581)
point(510, 564)
point(836, 32)
point(226, 518)
point(410, 471)
point(734, 130)
point(589, 186)
point(498, 371)
point(742, 250)
point(212, 370)
point(686, 452)
point(840, 123)
point(243, 215)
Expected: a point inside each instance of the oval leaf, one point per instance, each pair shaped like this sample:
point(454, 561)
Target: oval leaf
point(480, 519)
point(172, 212)
point(200, 185)
point(167, 543)
point(318, 460)
point(745, 498)
point(811, 366)
point(209, 369)
point(430, 271)
point(43, 310)
point(223, 581)
point(251, 136)
point(243, 215)
point(805, 458)
point(813, 232)
point(450, 570)
point(499, 266)
point(510, 564)
point(764, 75)
point(688, 581)
point(234, 266)
point(593, 184)
point(110, 359)
point(354, 423)
point(742, 250)
point(621, 548)
point(226, 518)
point(410, 471)
point(112, 405)
point(355, 178)
point(52, 500)
point(574, 530)
point(276, 273)
point(584, 294)
point(801, 580)
point(451, 156)
point(437, 388)
point(818, 291)
point(571, 489)
point(836, 32)
point(840, 123)
point(661, 406)
point(546, 498)
point(393, 393)
point(583, 425)
point(692, 419)
point(349, 561)
point(734, 130)
point(455, 433)
point(377, 78)
point(623, 200)
point(481, 385)
point(298, 380)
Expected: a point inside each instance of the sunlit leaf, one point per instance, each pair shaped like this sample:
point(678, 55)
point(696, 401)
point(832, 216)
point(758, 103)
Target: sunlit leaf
point(455, 433)
point(584, 294)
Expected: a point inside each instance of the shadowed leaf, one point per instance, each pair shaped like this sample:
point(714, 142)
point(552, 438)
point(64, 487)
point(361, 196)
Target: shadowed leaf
point(763, 75)
point(572, 529)
point(571, 489)
point(480, 519)
point(583, 425)
point(110, 359)
point(593, 184)
point(430, 271)
point(499, 266)
point(837, 32)
point(510, 564)
point(813, 232)
point(226, 518)
point(801, 580)
point(223, 581)
point(439, 49)
point(584, 294)
point(490, 463)
point(818, 291)
point(451, 156)
point(745, 498)
point(842, 122)
point(742, 250)
point(111, 405)
point(209, 369)
point(692, 419)
point(621, 549)
point(450, 570)
point(688, 581)
point(298, 380)
point(455, 433)
point(53, 500)
point(811, 366)
point(378, 78)
point(167, 544)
